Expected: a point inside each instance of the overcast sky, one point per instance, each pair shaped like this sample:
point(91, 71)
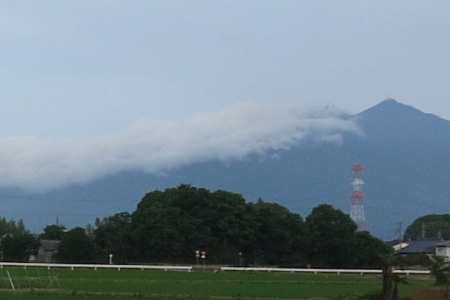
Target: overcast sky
point(79, 77)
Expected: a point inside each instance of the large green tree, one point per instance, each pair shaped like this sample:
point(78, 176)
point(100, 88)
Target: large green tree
point(163, 223)
point(76, 247)
point(233, 226)
point(331, 237)
point(280, 235)
point(18, 247)
point(370, 251)
point(53, 232)
point(16, 243)
point(173, 224)
point(112, 236)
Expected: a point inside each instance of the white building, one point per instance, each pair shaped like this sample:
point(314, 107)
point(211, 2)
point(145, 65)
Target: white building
point(443, 249)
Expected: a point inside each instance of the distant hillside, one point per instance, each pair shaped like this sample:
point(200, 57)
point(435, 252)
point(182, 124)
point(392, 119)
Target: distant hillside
point(404, 151)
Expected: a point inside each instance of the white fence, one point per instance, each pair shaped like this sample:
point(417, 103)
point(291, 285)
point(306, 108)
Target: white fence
point(190, 268)
point(95, 267)
point(315, 271)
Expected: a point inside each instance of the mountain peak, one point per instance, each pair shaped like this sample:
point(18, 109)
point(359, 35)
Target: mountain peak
point(391, 107)
point(389, 100)
point(395, 119)
point(398, 112)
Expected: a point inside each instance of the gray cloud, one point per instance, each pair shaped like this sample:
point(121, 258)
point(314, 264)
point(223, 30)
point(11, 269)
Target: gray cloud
point(234, 133)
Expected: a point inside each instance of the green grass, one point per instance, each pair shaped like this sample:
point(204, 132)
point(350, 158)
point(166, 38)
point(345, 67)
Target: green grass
point(129, 284)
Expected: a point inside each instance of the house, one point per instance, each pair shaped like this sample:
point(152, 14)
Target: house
point(431, 247)
point(420, 247)
point(47, 251)
point(443, 249)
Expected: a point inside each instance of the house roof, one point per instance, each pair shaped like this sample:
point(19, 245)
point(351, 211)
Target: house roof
point(49, 245)
point(421, 246)
point(443, 244)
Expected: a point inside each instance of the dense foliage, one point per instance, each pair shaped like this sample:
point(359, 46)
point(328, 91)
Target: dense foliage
point(113, 236)
point(16, 243)
point(170, 226)
point(53, 232)
point(331, 237)
point(429, 227)
point(76, 247)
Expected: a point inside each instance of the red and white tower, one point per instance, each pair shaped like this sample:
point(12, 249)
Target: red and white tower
point(357, 211)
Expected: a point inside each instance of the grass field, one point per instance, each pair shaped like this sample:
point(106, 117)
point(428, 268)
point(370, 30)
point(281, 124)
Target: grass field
point(56, 284)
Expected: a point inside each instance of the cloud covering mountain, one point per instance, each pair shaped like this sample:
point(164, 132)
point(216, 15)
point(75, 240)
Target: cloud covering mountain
point(156, 147)
point(296, 157)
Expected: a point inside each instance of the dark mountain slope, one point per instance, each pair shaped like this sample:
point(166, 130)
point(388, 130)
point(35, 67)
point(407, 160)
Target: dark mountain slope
point(404, 125)
point(406, 153)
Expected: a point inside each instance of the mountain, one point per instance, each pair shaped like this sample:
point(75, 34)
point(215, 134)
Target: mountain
point(404, 152)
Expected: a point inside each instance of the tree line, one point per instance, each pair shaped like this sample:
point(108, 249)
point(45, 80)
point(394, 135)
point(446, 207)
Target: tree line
point(170, 226)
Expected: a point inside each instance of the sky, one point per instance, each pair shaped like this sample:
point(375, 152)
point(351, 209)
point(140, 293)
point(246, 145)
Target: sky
point(91, 88)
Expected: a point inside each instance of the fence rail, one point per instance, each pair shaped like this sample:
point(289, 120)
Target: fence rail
point(95, 267)
point(190, 268)
point(315, 271)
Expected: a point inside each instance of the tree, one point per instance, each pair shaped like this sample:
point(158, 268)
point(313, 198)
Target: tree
point(331, 237)
point(76, 247)
point(160, 226)
point(18, 247)
point(53, 232)
point(112, 236)
point(11, 227)
point(370, 251)
point(280, 235)
point(429, 226)
point(233, 226)
point(440, 269)
point(16, 243)
point(172, 224)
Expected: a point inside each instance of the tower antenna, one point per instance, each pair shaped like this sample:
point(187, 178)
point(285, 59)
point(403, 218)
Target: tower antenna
point(357, 210)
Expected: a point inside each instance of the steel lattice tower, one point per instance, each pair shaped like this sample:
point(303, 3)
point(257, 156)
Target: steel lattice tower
point(357, 211)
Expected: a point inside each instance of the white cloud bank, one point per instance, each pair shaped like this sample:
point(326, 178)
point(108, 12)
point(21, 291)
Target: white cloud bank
point(241, 130)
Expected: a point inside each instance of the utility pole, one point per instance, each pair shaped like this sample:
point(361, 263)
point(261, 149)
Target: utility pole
point(400, 232)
